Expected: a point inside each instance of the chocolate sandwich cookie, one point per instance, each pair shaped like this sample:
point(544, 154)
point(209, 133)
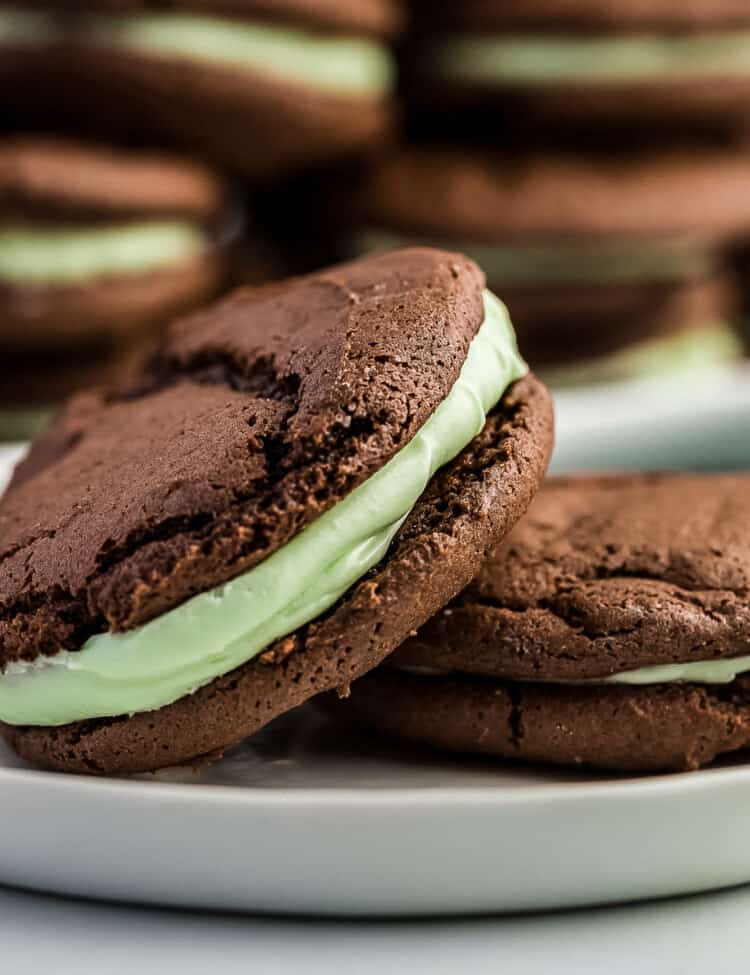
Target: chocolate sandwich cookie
point(97, 247)
point(610, 629)
point(260, 87)
point(612, 266)
point(581, 64)
point(305, 474)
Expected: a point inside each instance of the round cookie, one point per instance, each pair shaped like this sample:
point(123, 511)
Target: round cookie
point(97, 244)
point(260, 88)
point(576, 64)
point(611, 628)
point(97, 248)
point(305, 474)
point(594, 255)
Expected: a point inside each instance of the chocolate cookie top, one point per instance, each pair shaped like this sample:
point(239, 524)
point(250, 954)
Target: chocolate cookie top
point(377, 17)
point(256, 416)
point(605, 574)
point(50, 175)
point(473, 499)
point(480, 15)
point(492, 196)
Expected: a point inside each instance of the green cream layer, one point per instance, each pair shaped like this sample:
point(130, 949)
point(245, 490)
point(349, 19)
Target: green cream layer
point(218, 630)
point(62, 255)
point(568, 262)
point(693, 350)
point(556, 59)
point(344, 65)
point(719, 671)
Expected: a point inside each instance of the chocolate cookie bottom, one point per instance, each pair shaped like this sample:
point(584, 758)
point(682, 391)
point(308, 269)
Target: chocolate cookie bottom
point(662, 727)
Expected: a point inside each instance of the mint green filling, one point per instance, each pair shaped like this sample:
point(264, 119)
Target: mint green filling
point(58, 255)
point(719, 671)
point(217, 631)
point(348, 65)
point(554, 59)
point(690, 351)
point(722, 671)
point(571, 261)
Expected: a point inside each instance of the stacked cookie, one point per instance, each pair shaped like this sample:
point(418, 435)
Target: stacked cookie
point(262, 87)
point(585, 154)
point(611, 629)
point(610, 267)
point(578, 65)
point(313, 486)
point(98, 249)
point(259, 90)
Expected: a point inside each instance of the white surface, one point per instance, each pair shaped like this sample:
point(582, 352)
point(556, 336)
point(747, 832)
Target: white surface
point(304, 818)
point(693, 936)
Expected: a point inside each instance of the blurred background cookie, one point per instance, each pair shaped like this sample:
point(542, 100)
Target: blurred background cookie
point(262, 88)
point(586, 64)
point(612, 266)
point(97, 250)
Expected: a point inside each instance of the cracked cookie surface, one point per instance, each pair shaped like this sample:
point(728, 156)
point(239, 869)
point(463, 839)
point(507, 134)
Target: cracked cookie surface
point(603, 575)
point(255, 417)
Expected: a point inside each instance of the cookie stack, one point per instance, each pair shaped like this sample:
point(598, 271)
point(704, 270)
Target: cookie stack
point(257, 91)
point(98, 248)
point(261, 87)
point(611, 629)
point(320, 485)
point(626, 122)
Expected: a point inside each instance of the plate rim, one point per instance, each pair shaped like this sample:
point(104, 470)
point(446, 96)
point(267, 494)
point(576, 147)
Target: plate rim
point(647, 787)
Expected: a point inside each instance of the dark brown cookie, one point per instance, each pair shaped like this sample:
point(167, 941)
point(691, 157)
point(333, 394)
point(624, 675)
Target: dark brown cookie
point(51, 184)
point(256, 417)
point(682, 208)
point(258, 121)
point(649, 729)
point(259, 127)
point(58, 177)
point(75, 318)
point(560, 324)
point(604, 575)
point(682, 100)
point(495, 197)
point(707, 108)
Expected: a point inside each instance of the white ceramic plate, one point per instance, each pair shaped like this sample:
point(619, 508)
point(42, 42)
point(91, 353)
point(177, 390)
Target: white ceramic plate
point(306, 818)
point(309, 819)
